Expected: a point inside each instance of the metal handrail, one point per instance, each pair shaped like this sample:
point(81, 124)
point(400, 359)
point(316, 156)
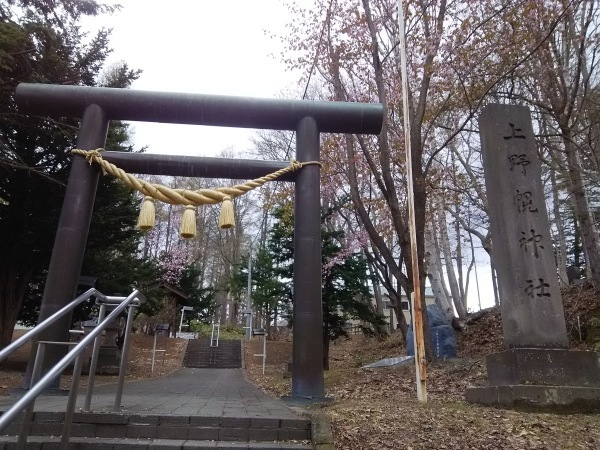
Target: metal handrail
point(28, 400)
point(6, 351)
point(217, 327)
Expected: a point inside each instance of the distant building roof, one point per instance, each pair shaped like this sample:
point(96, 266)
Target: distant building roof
point(428, 291)
point(181, 297)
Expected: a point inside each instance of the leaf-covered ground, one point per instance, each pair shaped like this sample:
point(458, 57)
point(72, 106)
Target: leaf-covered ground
point(140, 363)
point(378, 409)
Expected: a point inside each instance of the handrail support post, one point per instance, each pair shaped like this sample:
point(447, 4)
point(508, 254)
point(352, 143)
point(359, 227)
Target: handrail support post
point(94, 362)
point(28, 415)
point(124, 357)
point(68, 424)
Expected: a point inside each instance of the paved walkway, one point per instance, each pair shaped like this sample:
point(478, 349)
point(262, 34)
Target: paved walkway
point(199, 392)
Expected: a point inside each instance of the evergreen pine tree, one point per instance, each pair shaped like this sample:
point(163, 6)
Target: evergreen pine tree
point(345, 291)
point(42, 42)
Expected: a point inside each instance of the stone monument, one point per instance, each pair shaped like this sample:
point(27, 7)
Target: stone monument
point(537, 368)
point(109, 355)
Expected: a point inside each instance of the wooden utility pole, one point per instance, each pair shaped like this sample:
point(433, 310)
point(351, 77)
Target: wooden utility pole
point(417, 313)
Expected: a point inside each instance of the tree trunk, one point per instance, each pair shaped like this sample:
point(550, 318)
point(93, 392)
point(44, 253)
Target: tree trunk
point(12, 289)
point(396, 303)
point(221, 298)
point(376, 289)
point(588, 229)
point(445, 246)
point(475, 267)
point(325, 347)
point(204, 245)
point(168, 237)
point(440, 297)
point(434, 273)
point(561, 255)
point(228, 314)
point(459, 263)
point(275, 312)
point(494, 281)
point(439, 265)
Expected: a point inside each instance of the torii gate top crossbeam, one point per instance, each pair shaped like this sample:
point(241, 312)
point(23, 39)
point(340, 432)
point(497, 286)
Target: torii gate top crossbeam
point(199, 109)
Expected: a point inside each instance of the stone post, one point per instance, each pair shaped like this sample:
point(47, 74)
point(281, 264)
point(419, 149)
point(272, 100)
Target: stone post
point(532, 311)
point(536, 368)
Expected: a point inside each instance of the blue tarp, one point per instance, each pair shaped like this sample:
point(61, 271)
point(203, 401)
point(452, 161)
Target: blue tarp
point(443, 336)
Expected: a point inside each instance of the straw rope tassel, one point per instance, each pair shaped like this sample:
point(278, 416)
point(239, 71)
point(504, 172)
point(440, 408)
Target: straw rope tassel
point(188, 223)
point(198, 197)
point(226, 218)
point(146, 218)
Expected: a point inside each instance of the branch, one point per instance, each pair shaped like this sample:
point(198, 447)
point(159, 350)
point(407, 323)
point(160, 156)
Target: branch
point(509, 71)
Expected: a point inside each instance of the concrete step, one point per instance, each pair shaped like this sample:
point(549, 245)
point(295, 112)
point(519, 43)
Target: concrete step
point(170, 427)
point(78, 443)
point(199, 354)
point(205, 343)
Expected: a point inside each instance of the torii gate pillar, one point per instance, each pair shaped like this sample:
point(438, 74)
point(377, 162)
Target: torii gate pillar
point(307, 358)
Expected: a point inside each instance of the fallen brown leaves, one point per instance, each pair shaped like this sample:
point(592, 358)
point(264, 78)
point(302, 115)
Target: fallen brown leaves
point(483, 337)
point(581, 303)
point(402, 423)
point(378, 409)
point(139, 364)
point(140, 357)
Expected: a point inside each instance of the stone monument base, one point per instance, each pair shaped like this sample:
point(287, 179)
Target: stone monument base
point(541, 377)
point(109, 360)
point(534, 396)
point(288, 373)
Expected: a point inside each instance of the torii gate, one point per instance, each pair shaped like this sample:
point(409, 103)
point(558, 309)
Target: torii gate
point(97, 106)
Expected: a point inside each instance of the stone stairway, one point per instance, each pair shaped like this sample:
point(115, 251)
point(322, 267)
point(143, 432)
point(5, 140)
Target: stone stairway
point(199, 354)
point(148, 431)
point(189, 408)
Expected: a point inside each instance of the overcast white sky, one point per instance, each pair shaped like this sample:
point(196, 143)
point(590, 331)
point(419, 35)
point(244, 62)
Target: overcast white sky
point(200, 47)
point(210, 47)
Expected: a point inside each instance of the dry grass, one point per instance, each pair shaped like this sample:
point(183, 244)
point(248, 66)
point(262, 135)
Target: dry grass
point(377, 408)
point(139, 367)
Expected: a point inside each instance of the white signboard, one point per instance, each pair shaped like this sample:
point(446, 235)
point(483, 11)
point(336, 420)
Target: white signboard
point(186, 335)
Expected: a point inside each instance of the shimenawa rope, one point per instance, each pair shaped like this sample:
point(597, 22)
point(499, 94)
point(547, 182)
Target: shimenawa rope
point(190, 198)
